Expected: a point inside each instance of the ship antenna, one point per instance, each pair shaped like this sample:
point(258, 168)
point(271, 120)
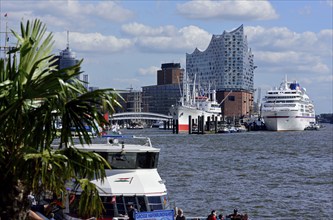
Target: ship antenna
point(67, 39)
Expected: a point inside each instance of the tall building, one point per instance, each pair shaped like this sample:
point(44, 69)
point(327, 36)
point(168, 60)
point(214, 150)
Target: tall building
point(86, 81)
point(226, 65)
point(67, 57)
point(170, 73)
point(159, 98)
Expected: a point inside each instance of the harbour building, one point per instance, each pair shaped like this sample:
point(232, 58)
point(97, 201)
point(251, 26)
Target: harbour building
point(227, 66)
point(158, 98)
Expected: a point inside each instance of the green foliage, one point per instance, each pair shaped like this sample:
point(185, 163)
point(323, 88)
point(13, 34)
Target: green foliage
point(33, 95)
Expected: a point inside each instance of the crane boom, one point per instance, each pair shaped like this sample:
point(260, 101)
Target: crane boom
point(225, 97)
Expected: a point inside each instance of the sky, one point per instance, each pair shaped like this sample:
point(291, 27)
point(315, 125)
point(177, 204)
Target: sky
point(124, 43)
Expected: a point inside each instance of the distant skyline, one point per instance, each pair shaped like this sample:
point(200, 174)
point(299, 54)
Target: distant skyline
point(124, 43)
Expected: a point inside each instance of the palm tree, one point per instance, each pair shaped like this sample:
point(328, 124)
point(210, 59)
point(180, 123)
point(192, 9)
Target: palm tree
point(33, 95)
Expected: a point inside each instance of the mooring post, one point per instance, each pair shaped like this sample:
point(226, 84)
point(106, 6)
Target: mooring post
point(202, 124)
point(215, 122)
point(173, 126)
point(177, 126)
point(189, 124)
point(199, 124)
point(208, 123)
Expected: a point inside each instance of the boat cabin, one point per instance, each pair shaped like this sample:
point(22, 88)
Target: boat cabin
point(133, 178)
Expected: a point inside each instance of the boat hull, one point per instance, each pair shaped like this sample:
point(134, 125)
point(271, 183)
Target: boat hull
point(182, 114)
point(286, 121)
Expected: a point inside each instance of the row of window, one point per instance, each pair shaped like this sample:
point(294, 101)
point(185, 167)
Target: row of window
point(116, 206)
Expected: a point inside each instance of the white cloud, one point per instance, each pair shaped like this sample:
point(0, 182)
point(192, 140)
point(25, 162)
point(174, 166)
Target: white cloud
point(228, 10)
point(281, 38)
point(168, 38)
point(280, 50)
point(306, 10)
point(61, 14)
point(152, 70)
point(137, 29)
point(92, 42)
point(111, 11)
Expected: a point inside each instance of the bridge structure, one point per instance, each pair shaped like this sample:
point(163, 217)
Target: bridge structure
point(127, 116)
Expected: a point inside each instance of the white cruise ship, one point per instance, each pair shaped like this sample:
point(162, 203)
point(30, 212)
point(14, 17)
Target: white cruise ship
point(287, 108)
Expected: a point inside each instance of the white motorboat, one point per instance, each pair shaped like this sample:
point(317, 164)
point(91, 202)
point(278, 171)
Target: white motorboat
point(133, 178)
point(312, 126)
point(287, 108)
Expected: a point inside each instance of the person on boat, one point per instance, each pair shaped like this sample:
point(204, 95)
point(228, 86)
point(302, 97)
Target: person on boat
point(131, 212)
point(235, 215)
point(212, 215)
point(221, 217)
point(180, 215)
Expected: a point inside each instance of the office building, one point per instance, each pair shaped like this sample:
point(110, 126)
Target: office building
point(159, 98)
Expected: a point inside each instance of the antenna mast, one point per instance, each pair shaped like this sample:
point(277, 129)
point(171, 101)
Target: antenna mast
point(67, 39)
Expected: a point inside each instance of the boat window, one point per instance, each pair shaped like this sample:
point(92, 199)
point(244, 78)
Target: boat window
point(142, 207)
point(131, 160)
point(147, 160)
point(130, 200)
point(155, 203)
point(138, 203)
point(121, 208)
point(108, 203)
point(122, 160)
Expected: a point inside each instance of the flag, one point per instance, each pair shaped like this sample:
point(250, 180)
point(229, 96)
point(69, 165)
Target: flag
point(106, 116)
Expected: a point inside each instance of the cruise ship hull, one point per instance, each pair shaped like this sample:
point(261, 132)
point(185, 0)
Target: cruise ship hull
point(286, 121)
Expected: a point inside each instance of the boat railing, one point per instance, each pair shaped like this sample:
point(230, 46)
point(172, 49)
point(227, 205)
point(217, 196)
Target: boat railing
point(129, 139)
point(196, 218)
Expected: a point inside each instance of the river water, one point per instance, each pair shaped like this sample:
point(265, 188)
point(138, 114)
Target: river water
point(269, 175)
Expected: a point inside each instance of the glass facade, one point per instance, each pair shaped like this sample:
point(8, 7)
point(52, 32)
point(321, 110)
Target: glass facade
point(226, 64)
point(159, 98)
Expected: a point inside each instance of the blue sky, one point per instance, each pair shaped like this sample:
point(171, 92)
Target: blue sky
point(123, 43)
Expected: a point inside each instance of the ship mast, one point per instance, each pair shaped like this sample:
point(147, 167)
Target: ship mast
point(6, 47)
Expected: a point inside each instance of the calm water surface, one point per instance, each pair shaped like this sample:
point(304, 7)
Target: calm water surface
point(269, 175)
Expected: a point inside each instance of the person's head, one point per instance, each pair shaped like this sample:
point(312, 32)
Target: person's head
point(220, 216)
point(129, 206)
point(235, 211)
point(213, 212)
point(180, 211)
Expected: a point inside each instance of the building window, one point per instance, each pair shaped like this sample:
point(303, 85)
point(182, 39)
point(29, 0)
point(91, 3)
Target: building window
point(231, 98)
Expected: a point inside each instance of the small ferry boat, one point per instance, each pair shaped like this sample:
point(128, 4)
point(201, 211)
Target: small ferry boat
point(133, 178)
point(287, 108)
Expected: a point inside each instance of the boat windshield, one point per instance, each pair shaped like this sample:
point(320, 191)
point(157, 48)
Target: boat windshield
point(132, 160)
